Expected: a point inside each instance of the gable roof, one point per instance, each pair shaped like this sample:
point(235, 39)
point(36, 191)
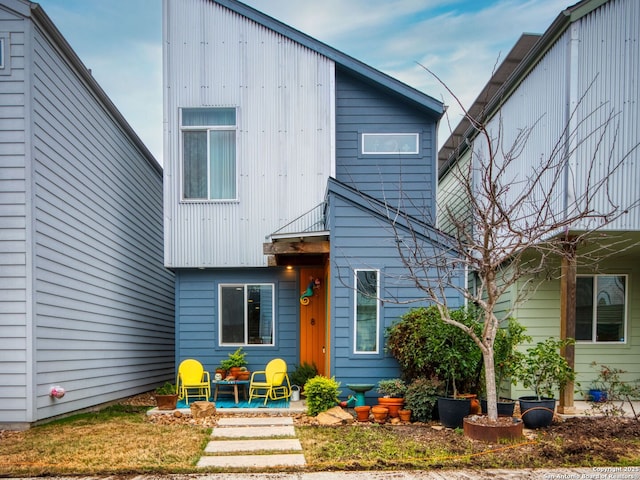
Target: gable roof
point(343, 61)
point(388, 214)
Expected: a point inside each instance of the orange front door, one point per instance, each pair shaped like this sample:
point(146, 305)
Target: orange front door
point(313, 331)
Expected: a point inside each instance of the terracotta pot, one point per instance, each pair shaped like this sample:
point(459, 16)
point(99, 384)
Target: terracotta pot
point(405, 415)
point(243, 375)
point(394, 404)
point(380, 413)
point(476, 408)
point(167, 402)
point(234, 371)
point(363, 413)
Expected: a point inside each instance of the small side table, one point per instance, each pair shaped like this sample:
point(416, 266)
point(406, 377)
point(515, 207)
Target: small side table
point(229, 387)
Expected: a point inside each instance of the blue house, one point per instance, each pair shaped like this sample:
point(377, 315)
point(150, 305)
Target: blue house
point(292, 174)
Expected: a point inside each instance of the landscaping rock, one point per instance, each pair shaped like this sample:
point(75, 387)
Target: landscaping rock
point(334, 416)
point(203, 409)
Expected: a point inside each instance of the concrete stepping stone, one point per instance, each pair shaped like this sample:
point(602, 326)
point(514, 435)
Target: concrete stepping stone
point(229, 446)
point(255, 461)
point(250, 421)
point(255, 432)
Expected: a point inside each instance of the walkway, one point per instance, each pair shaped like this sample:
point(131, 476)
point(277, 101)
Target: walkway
point(253, 442)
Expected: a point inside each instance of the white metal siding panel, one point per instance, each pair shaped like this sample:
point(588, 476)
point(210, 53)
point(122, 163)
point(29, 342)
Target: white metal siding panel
point(103, 301)
point(609, 58)
point(538, 103)
point(283, 92)
point(587, 83)
point(13, 226)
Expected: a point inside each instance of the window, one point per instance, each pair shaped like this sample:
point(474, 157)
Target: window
point(1, 53)
point(246, 314)
point(390, 143)
point(366, 311)
point(209, 153)
point(601, 311)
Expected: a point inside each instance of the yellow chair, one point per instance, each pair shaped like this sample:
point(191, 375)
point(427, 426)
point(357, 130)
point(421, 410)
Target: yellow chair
point(193, 381)
point(270, 383)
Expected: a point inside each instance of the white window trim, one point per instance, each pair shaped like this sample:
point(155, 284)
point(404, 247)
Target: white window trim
point(594, 323)
point(355, 312)
point(245, 305)
point(395, 152)
point(207, 128)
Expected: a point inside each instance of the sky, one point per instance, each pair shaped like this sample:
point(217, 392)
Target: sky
point(460, 41)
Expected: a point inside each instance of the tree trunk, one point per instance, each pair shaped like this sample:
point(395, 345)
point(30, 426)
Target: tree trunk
point(490, 385)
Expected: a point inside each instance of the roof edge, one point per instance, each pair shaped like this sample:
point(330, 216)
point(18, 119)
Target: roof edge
point(43, 19)
point(341, 58)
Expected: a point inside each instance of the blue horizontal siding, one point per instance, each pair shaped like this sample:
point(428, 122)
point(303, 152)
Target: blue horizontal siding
point(407, 180)
point(362, 240)
point(197, 316)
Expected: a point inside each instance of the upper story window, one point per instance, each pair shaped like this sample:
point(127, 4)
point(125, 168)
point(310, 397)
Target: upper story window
point(390, 143)
point(246, 314)
point(367, 311)
point(208, 153)
point(601, 308)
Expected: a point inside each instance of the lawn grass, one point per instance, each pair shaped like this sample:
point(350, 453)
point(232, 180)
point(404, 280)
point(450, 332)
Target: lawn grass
point(121, 440)
point(116, 440)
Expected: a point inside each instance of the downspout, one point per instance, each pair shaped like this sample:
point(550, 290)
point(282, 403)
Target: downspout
point(568, 280)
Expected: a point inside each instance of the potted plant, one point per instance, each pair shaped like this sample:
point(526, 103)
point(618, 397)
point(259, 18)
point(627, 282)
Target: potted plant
point(544, 370)
point(166, 396)
point(243, 374)
point(425, 346)
point(302, 373)
point(392, 393)
point(234, 362)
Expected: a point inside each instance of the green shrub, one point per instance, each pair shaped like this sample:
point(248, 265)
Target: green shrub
point(395, 388)
point(425, 346)
point(322, 394)
point(302, 373)
point(166, 389)
point(421, 397)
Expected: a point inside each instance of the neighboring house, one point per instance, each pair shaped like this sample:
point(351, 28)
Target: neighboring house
point(85, 301)
point(283, 158)
point(579, 77)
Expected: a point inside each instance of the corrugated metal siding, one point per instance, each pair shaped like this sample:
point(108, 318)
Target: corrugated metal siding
point(104, 302)
point(609, 57)
point(407, 181)
point(13, 227)
point(197, 309)
point(283, 93)
point(587, 83)
point(362, 241)
point(452, 200)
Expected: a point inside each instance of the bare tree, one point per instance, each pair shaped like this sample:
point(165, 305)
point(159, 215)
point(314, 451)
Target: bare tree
point(511, 225)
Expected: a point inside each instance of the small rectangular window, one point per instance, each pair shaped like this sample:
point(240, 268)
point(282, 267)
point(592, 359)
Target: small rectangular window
point(390, 143)
point(209, 153)
point(246, 314)
point(367, 311)
point(601, 312)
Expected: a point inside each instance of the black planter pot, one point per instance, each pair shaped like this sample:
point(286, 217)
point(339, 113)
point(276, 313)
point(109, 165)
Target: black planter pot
point(537, 413)
point(453, 410)
point(506, 406)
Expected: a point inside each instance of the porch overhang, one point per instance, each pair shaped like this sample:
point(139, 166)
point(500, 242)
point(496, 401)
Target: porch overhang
point(309, 248)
